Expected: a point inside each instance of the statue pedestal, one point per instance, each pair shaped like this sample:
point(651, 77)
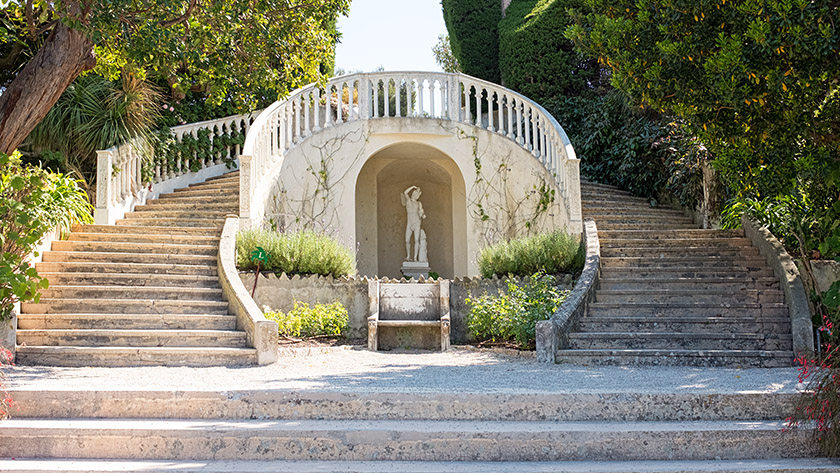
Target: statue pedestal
point(415, 269)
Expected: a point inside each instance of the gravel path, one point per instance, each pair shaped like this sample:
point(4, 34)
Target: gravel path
point(462, 369)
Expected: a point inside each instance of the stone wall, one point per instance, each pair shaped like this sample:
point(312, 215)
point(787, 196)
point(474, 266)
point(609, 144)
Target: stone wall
point(278, 293)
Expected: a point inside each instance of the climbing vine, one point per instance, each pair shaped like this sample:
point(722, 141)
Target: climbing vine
point(208, 145)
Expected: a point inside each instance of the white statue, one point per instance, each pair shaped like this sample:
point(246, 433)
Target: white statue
point(414, 213)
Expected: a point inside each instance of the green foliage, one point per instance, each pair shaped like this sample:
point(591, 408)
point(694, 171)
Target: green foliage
point(304, 252)
point(513, 316)
point(473, 27)
point(442, 51)
point(32, 202)
point(192, 150)
point(5, 399)
point(550, 253)
point(320, 320)
point(229, 50)
point(535, 59)
point(93, 114)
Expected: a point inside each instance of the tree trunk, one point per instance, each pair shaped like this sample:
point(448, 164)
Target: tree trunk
point(65, 54)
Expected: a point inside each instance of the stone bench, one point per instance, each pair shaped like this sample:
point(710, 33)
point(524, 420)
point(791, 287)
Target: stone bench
point(409, 315)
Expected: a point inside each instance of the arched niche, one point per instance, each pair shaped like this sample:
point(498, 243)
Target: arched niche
point(381, 218)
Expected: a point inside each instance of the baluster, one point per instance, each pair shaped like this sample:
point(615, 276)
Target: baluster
point(316, 102)
point(510, 113)
point(519, 136)
point(355, 98)
point(490, 110)
point(501, 113)
point(387, 91)
point(288, 112)
point(526, 110)
point(542, 148)
point(328, 108)
point(535, 137)
point(397, 105)
point(339, 93)
point(376, 98)
point(307, 128)
point(421, 84)
point(467, 94)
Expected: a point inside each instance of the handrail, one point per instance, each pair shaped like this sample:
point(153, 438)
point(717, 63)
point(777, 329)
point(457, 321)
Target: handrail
point(448, 96)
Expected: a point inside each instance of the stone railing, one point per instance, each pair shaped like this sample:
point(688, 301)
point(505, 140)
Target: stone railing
point(365, 96)
point(129, 174)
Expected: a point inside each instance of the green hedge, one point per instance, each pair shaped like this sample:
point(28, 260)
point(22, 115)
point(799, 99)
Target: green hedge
point(534, 57)
point(304, 321)
point(474, 35)
point(303, 252)
point(549, 253)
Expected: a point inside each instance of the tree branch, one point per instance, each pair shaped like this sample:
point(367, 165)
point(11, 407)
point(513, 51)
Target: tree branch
point(182, 18)
point(30, 20)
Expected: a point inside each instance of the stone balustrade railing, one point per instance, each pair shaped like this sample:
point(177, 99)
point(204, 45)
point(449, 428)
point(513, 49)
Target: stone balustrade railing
point(193, 153)
point(364, 96)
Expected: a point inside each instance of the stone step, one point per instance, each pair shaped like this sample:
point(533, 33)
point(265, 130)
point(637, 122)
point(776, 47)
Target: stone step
point(686, 324)
point(145, 238)
point(649, 225)
point(226, 200)
point(169, 231)
point(675, 252)
point(124, 306)
point(697, 273)
point(664, 296)
point(686, 262)
point(669, 234)
point(662, 214)
point(132, 338)
point(132, 292)
point(628, 208)
point(795, 465)
point(707, 358)
point(126, 321)
point(602, 309)
point(603, 189)
point(128, 279)
point(282, 404)
point(214, 184)
point(112, 257)
point(230, 206)
point(204, 223)
point(678, 242)
point(207, 270)
point(208, 213)
point(199, 192)
point(130, 356)
point(134, 247)
point(676, 283)
point(404, 440)
point(621, 203)
point(677, 341)
point(631, 218)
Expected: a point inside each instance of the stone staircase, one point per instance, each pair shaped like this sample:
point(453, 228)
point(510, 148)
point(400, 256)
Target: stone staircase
point(311, 431)
point(673, 294)
point(142, 292)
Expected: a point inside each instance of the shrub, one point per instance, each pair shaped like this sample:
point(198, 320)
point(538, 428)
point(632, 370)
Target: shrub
point(513, 316)
point(304, 252)
point(473, 27)
point(320, 320)
point(549, 253)
point(32, 202)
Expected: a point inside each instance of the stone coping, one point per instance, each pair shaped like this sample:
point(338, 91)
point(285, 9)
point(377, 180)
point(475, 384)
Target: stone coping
point(552, 334)
point(785, 270)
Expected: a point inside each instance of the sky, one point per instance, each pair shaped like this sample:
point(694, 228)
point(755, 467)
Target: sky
point(397, 35)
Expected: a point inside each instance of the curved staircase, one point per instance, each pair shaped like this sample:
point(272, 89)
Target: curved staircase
point(142, 292)
point(673, 294)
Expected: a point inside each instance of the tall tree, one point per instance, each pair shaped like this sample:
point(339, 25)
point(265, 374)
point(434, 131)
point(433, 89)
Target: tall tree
point(231, 49)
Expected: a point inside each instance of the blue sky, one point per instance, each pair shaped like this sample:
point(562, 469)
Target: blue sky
point(394, 34)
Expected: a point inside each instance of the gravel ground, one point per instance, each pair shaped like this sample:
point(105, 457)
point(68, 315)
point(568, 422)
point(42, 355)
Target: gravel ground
point(462, 369)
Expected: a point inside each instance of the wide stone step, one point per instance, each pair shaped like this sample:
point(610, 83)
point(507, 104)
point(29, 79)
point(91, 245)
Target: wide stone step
point(135, 247)
point(210, 213)
point(687, 262)
point(214, 184)
point(664, 225)
point(678, 273)
point(136, 279)
point(125, 257)
point(206, 269)
point(226, 207)
point(653, 357)
point(616, 208)
point(735, 243)
point(128, 356)
point(692, 309)
point(665, 296)
point(389, 440)
point(132, 292)
point(132, 338)
point(416, 405)
point(687, 324)
point(676, 283)
point(594, 189)
point(168, 231)
point(674, 252)
point(124, 306)
point(661, 214)
point(204, 223)
point(677, 341)
point(126, 321)
point(668, 234)
point(199, 192)
point(622, 202)
point(146, 238)
point(228, 200)
point(639, 219)
point(796, 465)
